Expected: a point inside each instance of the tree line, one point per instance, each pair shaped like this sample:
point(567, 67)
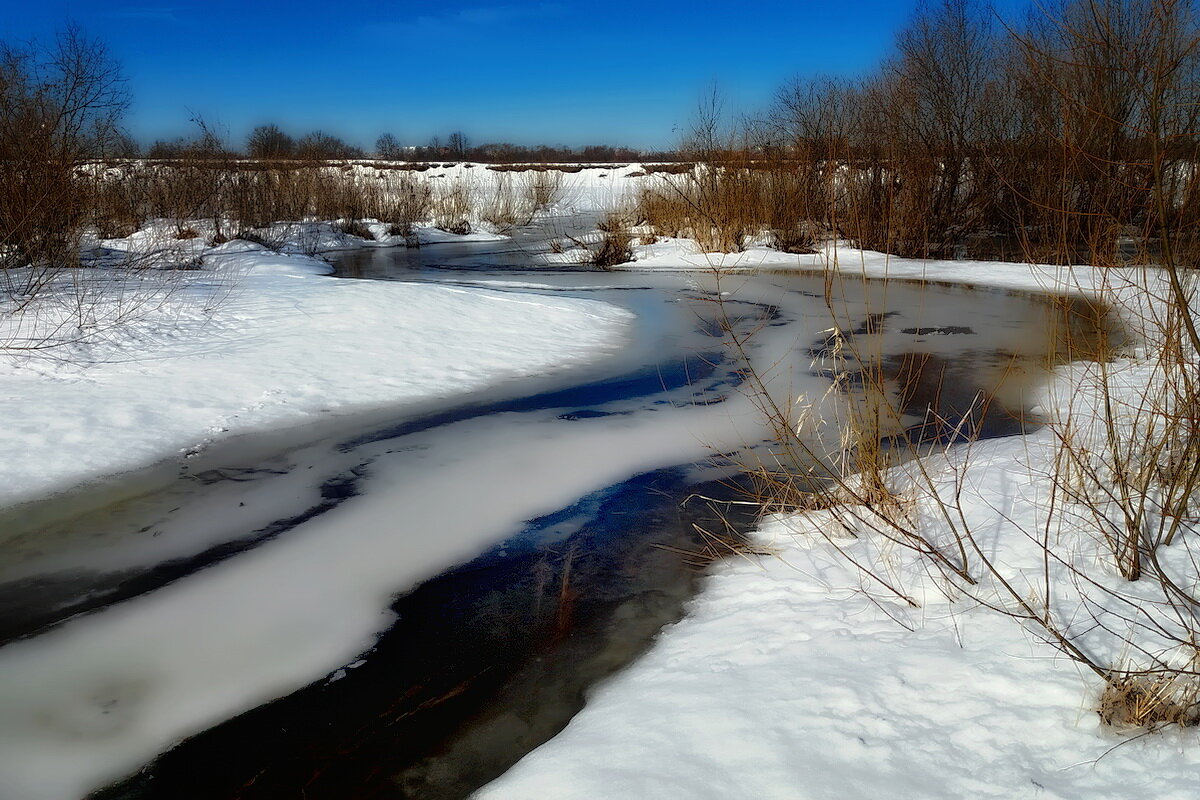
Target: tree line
point(1067, 130)
point(270, 142)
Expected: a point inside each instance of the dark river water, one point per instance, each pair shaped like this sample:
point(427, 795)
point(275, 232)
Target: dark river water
point(564, 520)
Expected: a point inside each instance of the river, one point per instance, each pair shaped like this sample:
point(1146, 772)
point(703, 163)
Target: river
point(403, 603)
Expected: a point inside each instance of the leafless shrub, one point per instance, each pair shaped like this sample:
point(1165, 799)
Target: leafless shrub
point(716, 205)
point(542, 188)
point(118, 202)
point(453, 207)
point(356, 228)
point(613, 246)
point(344, 196)
point(403, 201)
point(193, 185)
point(508, 205)
point(722, 206)
point(59, 109)
point(613, 250)
point(58, 105)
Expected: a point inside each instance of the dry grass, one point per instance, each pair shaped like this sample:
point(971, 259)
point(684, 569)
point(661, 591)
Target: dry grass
point(508, 205)
point(613, 249)
point(354, 227)
point(453, 207)
point(1150, 701)
point(715, 205)
point(543, 188)
point(717, 545)
point(402, 201)
point(722, 205)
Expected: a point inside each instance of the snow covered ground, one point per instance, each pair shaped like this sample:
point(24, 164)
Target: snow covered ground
point(795, 675)
point(259, 339)
point(788, 681)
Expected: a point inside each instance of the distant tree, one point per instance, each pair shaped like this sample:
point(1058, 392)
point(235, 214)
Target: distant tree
point(268, 141)
point(167, 148)
point(458, 144)
point(545, 154)
point(501, 153)
point(321, 146)
point(208, 144)
point(597, 152)
point(387, 147)
point(123, 146)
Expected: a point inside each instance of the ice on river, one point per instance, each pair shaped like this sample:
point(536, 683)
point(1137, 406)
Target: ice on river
point(87, 702)
point(283, 345)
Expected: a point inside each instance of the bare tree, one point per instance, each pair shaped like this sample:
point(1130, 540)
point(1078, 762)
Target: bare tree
point(58, 105)
point(268, 141)
point(458, 144)
point(321, 146)
point(387, 147)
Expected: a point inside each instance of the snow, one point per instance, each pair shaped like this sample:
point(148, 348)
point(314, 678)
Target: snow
point(796, 675)
point(792, 676)
point(272, 341)
point(786, 681)
point(683, 255)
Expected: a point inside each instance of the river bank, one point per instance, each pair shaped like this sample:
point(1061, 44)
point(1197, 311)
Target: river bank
point(729, 671)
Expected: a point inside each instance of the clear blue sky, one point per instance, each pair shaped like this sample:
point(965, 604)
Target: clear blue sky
point(556, 72)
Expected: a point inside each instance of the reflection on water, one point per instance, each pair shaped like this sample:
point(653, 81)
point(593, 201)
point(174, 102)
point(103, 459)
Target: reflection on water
point(483, 664)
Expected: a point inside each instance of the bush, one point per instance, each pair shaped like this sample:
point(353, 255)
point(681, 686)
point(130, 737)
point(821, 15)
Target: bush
point(58, 106)
point(453, 208)
point(509, 205)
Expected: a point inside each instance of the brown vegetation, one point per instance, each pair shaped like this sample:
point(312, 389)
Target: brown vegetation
point(58, 105)
point(1046, 137)
point(1073, 137)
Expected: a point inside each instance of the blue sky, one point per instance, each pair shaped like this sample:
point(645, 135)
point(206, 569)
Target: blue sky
point(555, 72)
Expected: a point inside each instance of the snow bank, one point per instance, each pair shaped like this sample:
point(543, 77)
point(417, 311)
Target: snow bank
point(683, 255)
point(795, 676)
point(261, 340)
point(788, 680)
point(785, 681)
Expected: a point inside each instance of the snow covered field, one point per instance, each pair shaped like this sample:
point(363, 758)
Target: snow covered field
point(260, 339)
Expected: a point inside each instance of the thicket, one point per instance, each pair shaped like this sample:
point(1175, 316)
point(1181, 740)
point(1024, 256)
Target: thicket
point(1047, 136)
point(1068, 136)
point(59, 104)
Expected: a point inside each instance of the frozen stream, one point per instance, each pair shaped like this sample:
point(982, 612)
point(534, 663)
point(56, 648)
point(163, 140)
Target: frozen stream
point(299, 565)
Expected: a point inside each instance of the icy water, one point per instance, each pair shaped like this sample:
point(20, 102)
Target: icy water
point(566, 522)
